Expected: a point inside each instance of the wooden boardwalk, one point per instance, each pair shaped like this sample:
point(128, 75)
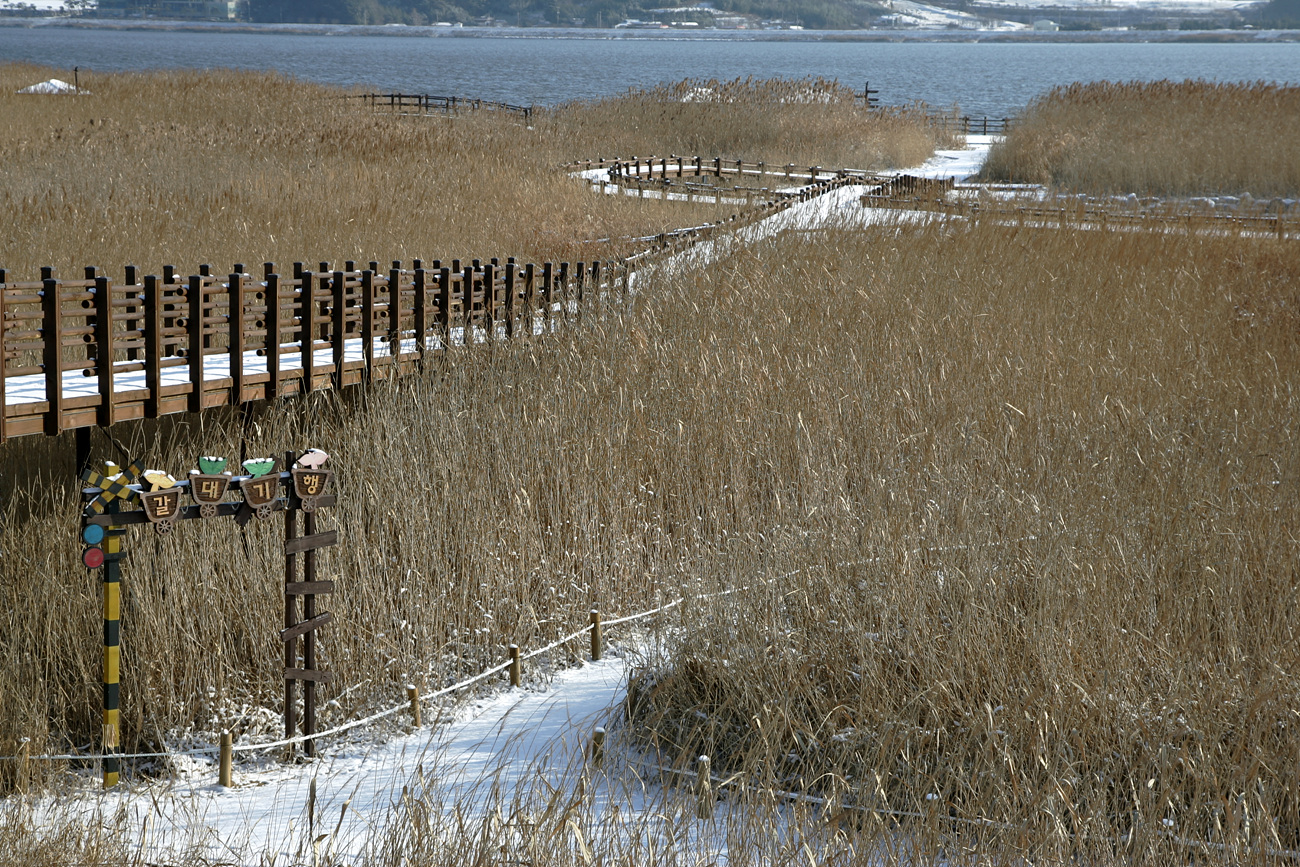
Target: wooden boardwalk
point(94, 351)
point(153, 345)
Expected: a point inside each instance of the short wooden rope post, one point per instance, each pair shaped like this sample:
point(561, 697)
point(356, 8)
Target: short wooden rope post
point(516, 666)
point(413, 693)
point(598, 748)
point(703, 790)
point(223, 774)
point(596, 642)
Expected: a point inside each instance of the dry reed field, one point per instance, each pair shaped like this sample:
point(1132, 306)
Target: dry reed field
point(220, 167)
point(1157, 138)
point(809, 121)
point(1016, 509)
point(1019, 510)
point(188, 167)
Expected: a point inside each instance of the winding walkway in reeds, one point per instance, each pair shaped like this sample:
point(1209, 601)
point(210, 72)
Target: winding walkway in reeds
point(80, 353)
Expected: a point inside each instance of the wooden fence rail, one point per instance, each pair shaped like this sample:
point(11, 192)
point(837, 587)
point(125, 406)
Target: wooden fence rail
point(424, 103)
point(95, 351)
point(695, 167)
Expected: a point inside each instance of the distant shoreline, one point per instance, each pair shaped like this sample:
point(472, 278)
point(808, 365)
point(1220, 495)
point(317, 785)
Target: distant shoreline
point(609, 33)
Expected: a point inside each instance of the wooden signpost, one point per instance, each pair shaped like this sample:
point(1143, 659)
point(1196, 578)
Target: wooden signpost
point(303, 486)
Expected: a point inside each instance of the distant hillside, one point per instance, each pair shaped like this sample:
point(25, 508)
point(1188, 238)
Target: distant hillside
point(813, 14)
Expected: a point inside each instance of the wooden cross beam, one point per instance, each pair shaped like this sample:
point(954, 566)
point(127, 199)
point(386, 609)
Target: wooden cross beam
point(117, 487)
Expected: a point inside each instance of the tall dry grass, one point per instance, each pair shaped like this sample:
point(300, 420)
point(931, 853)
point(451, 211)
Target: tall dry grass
point(1157, 138)
point(468, 531)
point(1026, 582)
point(221, 167)
point(184, 168)
point(807, 121)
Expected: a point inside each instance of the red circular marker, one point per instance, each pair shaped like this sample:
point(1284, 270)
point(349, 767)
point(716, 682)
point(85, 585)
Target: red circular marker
point(93, 557)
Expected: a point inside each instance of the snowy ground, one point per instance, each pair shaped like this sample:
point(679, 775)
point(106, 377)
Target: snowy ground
point(354, 790)
point(519, 750)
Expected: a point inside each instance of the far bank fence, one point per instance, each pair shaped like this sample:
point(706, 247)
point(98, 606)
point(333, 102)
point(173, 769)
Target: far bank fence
point(447, 106)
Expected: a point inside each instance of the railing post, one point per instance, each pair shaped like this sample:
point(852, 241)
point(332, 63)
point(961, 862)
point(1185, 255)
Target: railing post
point(579, 290)
point(489, 302)
point(306, 332)
point(516, 666)
point(421, 311)
point(153, 345)
point(467, 305)
point(105, 417)
point(368, 322)
point(194, 348)
point(444, 307)
point(272, 343)
point(597, 643)
point(562, 283)
point(51, 350)
point(394, 320)
point(237, 337)
point(511, 269)
point(530, 299)
point(339, 314)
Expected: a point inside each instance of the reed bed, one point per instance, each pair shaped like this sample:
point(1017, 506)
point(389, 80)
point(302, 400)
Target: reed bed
point(1185, 138)
point(221, 167)
point(807, 121)
point(473, 534)
point(1026, 585)
point(1014, 508)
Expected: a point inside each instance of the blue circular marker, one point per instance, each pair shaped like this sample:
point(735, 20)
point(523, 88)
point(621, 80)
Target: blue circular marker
point(93, 534)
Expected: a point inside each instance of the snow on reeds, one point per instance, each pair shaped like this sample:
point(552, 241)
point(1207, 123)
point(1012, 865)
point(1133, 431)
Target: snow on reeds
point(1157, 138)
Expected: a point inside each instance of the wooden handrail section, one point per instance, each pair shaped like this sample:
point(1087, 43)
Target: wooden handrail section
point(94, 351)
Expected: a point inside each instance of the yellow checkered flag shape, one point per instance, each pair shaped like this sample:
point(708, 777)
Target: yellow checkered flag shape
point(114, 488)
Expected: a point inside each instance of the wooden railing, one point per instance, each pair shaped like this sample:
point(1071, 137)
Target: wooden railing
point(424, 103)
point(967, 125)
point(686, 167)
point(95, 351)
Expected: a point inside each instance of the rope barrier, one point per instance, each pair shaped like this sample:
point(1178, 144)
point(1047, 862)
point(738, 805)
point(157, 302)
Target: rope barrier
point(375, 717)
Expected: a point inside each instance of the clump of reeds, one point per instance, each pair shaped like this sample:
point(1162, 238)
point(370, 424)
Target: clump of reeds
point(221, 167)
point(808, 121)
point(1026, 578)
point(1157, 138)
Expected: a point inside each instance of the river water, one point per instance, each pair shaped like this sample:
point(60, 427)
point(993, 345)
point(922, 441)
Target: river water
point(520, 66)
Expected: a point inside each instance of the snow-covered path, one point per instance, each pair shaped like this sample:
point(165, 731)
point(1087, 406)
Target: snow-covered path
point(342, 800)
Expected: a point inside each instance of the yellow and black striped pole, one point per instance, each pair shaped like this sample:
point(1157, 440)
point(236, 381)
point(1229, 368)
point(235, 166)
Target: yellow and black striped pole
point(112, 739)
point(105, 541)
